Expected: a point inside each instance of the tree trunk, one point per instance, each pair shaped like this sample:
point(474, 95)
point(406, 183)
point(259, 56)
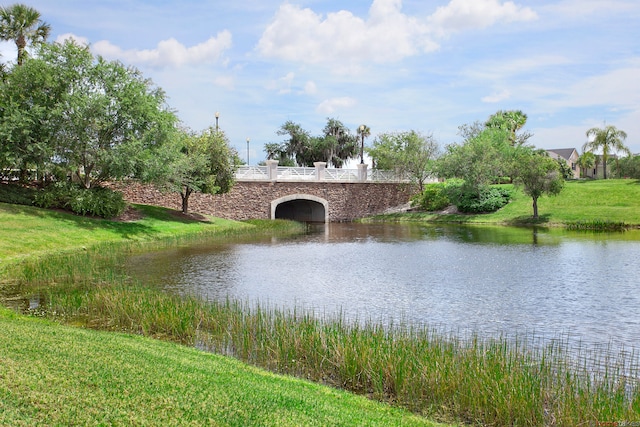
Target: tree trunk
point(535, 207)
point(185, 200)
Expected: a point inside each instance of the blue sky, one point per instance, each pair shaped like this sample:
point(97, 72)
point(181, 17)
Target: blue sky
point(394, 65)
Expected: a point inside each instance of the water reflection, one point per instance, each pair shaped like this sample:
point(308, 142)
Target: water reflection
point(486, 279)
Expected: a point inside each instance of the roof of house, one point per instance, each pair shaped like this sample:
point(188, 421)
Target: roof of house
point(565, 153)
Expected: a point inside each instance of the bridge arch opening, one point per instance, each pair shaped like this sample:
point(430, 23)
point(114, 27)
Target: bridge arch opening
point(300, 207)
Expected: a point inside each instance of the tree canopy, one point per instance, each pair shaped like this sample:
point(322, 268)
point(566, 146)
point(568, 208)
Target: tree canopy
point(335, 146)
point(608, 140)
point(191, 163)
point(66, 110)
point(538, 174)
point(409, 153)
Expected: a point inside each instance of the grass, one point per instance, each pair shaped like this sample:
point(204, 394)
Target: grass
point(34, 232)
point(54, 375)
point(613, 201)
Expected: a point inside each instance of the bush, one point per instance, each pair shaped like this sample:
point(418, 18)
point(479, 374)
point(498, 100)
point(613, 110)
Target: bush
point(97, 201)
point(17, 194)
point(432, 198)
point(486, 199)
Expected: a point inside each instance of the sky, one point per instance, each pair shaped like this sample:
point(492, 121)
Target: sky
point(394, 65)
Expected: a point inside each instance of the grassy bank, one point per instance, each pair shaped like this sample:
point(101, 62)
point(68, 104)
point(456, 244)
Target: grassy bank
point(54, 375)
point(599, 201)
point(34, 232)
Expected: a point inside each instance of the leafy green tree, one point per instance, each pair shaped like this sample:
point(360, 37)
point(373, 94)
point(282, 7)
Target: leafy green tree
point(106, 115)
point(586, 160)
point(339, 144)
point(408, 153)
point(511, 121)
point(22, 24)
point(28, 107)
point(479, 161)
point(609, 140)
point(335, 146)
point(538, 174)
point(628, 167)
point(193, 163)
point(565, 169)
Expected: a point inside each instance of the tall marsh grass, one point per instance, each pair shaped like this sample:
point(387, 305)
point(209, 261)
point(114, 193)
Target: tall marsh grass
point(477, 380)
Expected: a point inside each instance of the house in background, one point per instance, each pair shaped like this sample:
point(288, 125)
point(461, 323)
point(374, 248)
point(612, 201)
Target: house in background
point(570, 156)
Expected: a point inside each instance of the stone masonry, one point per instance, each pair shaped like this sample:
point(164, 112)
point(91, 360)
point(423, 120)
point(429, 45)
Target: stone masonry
point(252, 199)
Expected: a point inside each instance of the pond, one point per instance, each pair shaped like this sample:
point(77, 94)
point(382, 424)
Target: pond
point(488, 280)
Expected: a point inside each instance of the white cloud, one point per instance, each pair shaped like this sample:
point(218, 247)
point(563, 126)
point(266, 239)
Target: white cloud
point(329, 106)
point(497, 96)
point(169, 52)
point(343, 40)
point(283, 84)
point(310, 88)
point(619, 88)
point(461, 15)
point(301, 35)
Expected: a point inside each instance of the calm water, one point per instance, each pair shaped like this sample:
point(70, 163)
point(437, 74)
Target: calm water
point(484, 279)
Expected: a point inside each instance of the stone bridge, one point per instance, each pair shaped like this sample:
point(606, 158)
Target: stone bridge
point(303, 194)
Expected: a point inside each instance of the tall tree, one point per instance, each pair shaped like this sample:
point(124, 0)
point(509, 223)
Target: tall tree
point(100, 115)
point(339, 144)
point(587, 160)
point(511, 121)
point(538, 174)
point(194, 163)
point(610, 140)
point(364, 132)
point(29, 99)
point(297, 144)
point(22, 24)
point(408, 153)
point(479, 161)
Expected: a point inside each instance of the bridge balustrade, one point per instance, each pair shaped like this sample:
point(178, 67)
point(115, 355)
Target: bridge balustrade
point(272, 172)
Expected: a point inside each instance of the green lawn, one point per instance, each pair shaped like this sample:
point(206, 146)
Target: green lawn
point(615, 200)
point(52, 375)
point(31, 231)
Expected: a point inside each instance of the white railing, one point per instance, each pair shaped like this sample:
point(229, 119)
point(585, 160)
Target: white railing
point(318, 173)
point(349, 175)
point(249, 173)
point(296, 174)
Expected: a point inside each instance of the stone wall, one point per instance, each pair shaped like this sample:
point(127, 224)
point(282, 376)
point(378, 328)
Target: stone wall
point(252, 199)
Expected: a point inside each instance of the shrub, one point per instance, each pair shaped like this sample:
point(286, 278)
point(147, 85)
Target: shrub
point(97, 201)
point(17, 194)
point(486, 199)
point(432, 198)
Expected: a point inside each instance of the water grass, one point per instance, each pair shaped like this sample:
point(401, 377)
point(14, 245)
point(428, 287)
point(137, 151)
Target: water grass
point(597, 225)
point(476, 380)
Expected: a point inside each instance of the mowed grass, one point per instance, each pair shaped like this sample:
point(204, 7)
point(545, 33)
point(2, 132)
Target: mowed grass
point(28, 231)
point(614, 200)
point(51, 375)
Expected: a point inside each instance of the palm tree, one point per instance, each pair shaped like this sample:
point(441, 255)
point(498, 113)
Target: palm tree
point(364, 131)
point(23, 25)
point(511, 121)
point(609, 140)
point(587, 160)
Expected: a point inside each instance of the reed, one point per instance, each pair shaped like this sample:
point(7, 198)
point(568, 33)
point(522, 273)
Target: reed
point(598, 225)
point(478, 380)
